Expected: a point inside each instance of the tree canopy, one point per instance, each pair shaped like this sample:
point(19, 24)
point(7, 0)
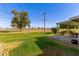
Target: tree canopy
point(20, 19)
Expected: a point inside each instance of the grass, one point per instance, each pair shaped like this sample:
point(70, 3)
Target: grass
point(36, 43)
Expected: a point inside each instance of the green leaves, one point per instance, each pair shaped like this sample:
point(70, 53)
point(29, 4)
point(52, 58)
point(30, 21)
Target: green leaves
point(20, 19)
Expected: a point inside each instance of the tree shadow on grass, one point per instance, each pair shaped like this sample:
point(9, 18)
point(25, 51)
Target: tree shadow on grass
point(48, 47)
point(48, 33)
point(5, 31)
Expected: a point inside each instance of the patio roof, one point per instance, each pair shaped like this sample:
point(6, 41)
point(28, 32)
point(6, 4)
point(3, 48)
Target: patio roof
point(69, 23)
point(75, 17)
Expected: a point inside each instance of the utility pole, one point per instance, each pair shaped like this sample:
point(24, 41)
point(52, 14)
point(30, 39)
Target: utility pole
point(44, 19)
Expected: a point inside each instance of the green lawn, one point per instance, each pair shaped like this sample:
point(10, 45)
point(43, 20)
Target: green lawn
point(36, 44)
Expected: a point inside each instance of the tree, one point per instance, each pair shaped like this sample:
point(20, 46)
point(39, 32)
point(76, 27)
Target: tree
point(20, 19)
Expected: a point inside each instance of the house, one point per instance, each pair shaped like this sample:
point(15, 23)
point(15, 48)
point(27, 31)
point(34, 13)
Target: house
point(70, 25)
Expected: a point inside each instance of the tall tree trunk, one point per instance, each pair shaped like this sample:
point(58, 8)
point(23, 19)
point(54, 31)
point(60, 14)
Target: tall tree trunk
point(20, 29)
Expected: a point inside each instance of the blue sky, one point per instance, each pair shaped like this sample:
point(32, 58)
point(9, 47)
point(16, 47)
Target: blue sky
point(56, 12)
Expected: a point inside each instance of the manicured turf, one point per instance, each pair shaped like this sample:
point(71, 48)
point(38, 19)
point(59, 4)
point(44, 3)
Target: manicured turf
point(36, 44)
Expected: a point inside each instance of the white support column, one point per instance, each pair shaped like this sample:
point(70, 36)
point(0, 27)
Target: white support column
point(57, 28)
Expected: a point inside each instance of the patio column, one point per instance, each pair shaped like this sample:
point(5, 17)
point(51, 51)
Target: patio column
point(75, 28)
point(57, 28)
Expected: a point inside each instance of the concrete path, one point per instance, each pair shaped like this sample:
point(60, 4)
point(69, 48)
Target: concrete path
point(64, 41)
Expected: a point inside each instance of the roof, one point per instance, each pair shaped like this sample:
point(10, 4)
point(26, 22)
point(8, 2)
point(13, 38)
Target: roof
point(75, 17)
point(69, 23)
point(72, 21)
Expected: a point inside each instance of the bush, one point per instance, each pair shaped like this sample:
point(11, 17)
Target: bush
point(54, 30)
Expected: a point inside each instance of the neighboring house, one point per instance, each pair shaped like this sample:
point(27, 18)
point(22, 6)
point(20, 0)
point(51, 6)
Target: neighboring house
point(72, 25)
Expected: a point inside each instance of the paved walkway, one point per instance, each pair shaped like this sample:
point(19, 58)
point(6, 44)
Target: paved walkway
point(64, 41)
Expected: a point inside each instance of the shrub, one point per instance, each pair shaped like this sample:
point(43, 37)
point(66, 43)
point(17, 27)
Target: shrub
point(54, 30)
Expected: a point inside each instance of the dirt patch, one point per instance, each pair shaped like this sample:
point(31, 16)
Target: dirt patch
point(5, 48)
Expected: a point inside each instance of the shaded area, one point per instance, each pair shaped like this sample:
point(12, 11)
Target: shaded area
point(52, 48)
point(5, 31)
point(48, 47)
point(48, 33)
point(74, 41)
